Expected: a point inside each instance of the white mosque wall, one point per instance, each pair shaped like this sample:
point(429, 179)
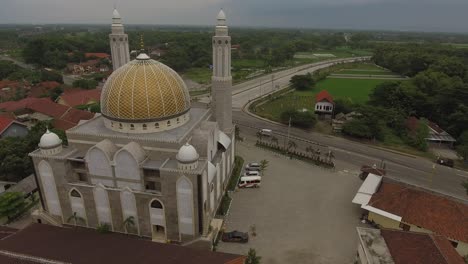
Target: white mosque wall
point(103, 210)
point(77, 205)
point(129, 208)
point(50, 188)
point(185, 206)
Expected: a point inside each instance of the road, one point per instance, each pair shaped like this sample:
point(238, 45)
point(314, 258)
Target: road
point(243, 92)
point(410, 169)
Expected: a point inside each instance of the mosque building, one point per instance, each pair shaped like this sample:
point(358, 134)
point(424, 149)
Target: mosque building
point(149, 156)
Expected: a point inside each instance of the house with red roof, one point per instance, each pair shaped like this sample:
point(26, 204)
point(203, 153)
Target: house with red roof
point(32, 110)
point(387, 246)
point(399, 206)
point(42, 89)
point(324, 104)
point(98, 55)
point(12, 128)
point(76, 97)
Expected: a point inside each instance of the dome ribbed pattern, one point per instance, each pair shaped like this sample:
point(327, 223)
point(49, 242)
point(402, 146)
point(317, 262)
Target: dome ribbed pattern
point(143, 90)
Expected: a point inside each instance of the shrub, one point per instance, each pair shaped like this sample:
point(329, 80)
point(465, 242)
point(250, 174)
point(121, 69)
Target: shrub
point(298, 119)
point(104, 228)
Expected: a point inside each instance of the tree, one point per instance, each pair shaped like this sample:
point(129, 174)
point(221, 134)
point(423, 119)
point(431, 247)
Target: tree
point(51, 76)
point(55, 93)
point(298, 119)
point(252, 257)
point(357, 128)
point(259, 136)
point(75, 218)
point(292, 145)
point(128, 223)
point(263, 165)
point(11, 204)
point(7, 68)
point(103, 228)
point(237, 134)
point(274, 140)
point(85, 83)
point(302, 82)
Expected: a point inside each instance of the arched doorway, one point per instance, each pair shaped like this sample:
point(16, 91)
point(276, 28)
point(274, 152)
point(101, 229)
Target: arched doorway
point(158, 221)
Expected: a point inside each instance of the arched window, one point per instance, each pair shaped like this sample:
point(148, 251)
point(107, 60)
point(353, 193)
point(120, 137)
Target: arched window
point(132, 127)
point(50, 190)
point(185, 206)
point(75, 193)
point(120, 126)
point(169, 123)
point(156, 125)
point(112, 124)
point(145, 127)
point(156, 204)
point(178, 120)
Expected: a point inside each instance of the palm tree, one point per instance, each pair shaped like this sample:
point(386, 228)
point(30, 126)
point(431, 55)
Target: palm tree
point(259, 136)
point(309, 150)
point(252, 257)
point(274, 140)
point(263, 165)
point(330, 156)
point(292, 144)
point(76, 218)
point(128, 223)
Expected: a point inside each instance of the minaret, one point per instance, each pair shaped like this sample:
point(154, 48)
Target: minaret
point(118, 42)
point(221, 97)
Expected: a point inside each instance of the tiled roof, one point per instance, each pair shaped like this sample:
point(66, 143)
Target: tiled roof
point(441, 215)
point(12, 106)
point(78, 97)
point(323, 95)
point(97, 55)
point(89, 247)
point(49, 84)
point(419, 248)
point(5, 122)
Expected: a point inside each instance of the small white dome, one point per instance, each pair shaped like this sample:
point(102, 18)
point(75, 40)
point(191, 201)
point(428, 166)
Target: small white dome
point(142, 56)
point(187, 153)
point(49, 140)
point(221, 15)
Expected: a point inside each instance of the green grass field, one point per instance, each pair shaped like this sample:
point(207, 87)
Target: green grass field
point(356, 90)
point(364, 72)
point(199, 75)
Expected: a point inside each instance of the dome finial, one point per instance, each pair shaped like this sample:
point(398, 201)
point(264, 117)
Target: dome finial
point(221, 15)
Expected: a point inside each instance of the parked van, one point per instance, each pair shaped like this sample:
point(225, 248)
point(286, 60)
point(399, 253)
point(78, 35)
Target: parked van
point(266, 132)
point(250, 182)
point(252, 173)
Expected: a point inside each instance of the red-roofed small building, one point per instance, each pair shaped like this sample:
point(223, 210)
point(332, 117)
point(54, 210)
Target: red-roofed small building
point(42, 89)
point(76, 97)
point(436, 134)
point(11, 128)
point(324, 104)
point(388, 246)
point(398, 206)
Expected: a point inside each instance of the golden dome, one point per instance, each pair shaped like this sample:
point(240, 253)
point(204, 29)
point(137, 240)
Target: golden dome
point(144, 90)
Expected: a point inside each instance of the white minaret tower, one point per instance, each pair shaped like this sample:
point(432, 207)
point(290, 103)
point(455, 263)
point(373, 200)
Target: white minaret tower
point(221, 97)
point(118, 42)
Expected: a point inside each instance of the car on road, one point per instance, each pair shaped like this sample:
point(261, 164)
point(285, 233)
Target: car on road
point(252, 173)
point(266, 132)
point(445, 162)
point(253, 166)
point(235, 236)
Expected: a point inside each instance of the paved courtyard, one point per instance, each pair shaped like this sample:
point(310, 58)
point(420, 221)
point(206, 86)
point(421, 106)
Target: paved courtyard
point(302, 213)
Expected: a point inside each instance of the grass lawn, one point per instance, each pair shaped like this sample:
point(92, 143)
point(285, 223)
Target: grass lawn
point(364, 72)
point(199, 75)
point(246, 63)
point(357, 90)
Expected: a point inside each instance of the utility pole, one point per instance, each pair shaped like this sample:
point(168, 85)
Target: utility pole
point(287, 138)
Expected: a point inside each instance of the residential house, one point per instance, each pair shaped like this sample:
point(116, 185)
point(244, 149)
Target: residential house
point(403, 207)
point(40, 243)
point(77, 97)
point(324, 104)
point(341, 119)
point(96, 55)
point(12, 128)
point(437, 136)
point(42, 89)
point(33, 110)
point(387, 246)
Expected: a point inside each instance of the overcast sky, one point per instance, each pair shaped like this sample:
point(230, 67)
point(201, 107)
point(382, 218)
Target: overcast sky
point(426, 15)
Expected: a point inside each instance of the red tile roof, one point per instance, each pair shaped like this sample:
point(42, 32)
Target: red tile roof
point(97, 55)
point(5, 122)
point(419, 248)
point(86, 246)
point(323, 95)
point(438, 214)
point(49, 84)
point(76, 97)
point(64, 117)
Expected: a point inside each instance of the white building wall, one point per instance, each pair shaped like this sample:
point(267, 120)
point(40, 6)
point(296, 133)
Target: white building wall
point(50, 188)
point(185, 206)
point(128, 202)
point(77, 206)
point(103, 210)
